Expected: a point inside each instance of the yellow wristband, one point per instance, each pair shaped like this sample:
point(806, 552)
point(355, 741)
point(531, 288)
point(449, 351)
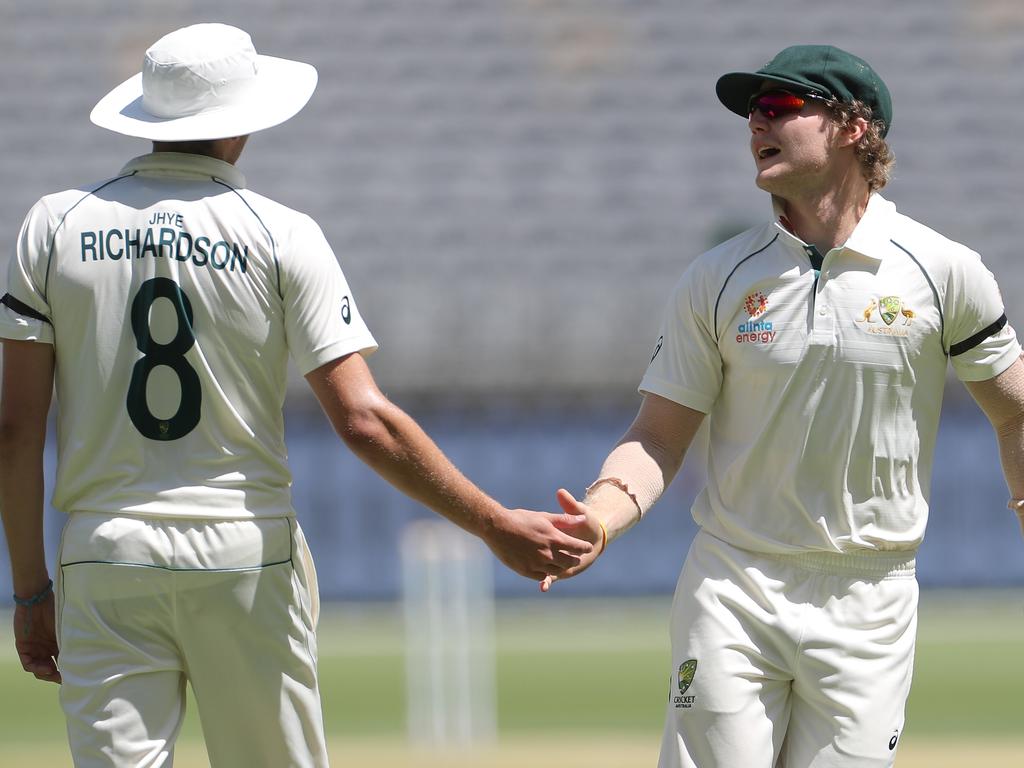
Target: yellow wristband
point(604, 536)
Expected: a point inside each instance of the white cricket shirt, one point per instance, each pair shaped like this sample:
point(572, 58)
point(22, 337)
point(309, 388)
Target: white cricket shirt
point(173, 297)
point(824, 390)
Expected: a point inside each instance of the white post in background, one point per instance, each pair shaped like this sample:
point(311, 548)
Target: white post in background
point(448, 603)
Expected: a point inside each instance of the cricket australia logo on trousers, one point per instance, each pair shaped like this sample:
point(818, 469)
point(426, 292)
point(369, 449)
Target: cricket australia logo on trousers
point(687, 671)
point(888, 309)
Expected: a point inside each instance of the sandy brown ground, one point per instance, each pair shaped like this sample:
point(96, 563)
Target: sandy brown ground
point(547, 752)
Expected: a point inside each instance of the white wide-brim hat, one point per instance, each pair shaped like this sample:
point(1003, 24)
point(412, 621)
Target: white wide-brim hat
point(205, 81)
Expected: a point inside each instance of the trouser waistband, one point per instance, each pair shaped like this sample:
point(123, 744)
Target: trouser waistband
point(871, 565)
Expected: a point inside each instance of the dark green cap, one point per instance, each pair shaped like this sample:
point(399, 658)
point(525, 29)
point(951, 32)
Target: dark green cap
point(821, 69)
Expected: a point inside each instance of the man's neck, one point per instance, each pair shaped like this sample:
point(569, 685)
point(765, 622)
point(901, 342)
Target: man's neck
point(827, 220)
point(225, 150)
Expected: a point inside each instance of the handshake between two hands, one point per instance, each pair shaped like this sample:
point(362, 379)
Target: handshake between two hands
point(546, 546)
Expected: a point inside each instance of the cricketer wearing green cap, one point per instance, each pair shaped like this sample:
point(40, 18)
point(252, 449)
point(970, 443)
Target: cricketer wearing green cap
point(818, 344)
point(812, 69)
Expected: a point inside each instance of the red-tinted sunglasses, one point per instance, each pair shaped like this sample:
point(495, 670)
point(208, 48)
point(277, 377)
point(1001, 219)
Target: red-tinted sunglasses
point(774, 104)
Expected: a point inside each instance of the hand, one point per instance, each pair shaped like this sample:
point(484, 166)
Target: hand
point(590, 530)
point(537, 544)
point(35, 639)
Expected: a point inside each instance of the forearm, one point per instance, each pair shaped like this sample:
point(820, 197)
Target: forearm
point(1010, 438)
point(632, 479)
point(1002, 400)
point(24, 404)
point(391, 443)
point(21, 506)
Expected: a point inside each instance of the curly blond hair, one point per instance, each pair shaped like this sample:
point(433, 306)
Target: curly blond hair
point(873, 152)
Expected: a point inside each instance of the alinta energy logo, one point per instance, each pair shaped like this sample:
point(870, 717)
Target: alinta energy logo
point(687, 671)
point(890, 310)
point(755, 330)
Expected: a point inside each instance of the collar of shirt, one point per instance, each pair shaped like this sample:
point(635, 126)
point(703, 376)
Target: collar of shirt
point(179, 165)
point(870, 238)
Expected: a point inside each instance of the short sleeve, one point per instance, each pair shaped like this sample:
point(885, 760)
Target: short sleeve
point(322, 320)
point(981, 342)
point(24, 311)
point(686, 366)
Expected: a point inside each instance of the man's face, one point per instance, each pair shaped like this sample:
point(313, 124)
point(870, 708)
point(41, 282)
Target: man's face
point(793, 153)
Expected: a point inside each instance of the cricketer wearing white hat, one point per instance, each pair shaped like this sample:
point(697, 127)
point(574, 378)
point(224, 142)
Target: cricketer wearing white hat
point(184, 93)
point(164, 303)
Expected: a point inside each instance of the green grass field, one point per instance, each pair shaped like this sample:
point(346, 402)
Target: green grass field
point(581, 683)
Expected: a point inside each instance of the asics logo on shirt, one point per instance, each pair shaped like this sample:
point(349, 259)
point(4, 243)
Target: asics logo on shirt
point(657, 348)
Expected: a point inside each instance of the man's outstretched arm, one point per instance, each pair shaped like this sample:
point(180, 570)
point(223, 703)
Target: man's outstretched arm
point(392, 443)
point(634, 475)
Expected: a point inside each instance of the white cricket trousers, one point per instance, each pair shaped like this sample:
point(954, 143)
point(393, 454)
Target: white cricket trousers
point(799, 661)
point(230, 606)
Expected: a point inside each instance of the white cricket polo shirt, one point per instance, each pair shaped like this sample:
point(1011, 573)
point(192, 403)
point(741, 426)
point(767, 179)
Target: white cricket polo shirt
point(824, 390)
point(173, 297)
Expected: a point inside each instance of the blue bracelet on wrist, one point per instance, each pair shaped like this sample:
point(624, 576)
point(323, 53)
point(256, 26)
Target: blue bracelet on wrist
point(36, 599)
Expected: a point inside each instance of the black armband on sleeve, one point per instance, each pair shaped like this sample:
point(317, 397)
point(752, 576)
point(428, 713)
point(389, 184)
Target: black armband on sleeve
point(968, 344)
point(22, 308)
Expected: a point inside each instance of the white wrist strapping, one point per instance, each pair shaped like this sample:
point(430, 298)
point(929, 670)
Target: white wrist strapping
point(631, 469)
